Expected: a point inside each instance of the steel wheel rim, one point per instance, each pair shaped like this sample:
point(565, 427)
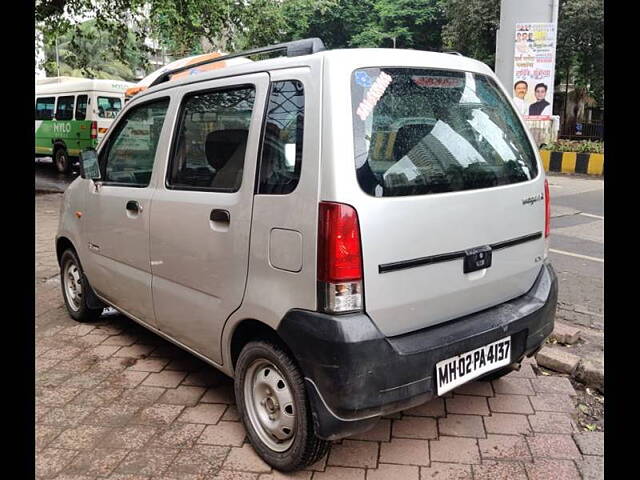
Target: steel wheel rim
point(73, 285)
point(269, 404)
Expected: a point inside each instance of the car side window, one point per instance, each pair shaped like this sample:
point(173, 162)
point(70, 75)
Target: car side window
point(211, 140)
point(131, 150)
point(64, 110)
point(44, 108)
point(81, 107)
point(282, 144)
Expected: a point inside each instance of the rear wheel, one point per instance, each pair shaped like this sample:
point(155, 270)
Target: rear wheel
point(74, 289)
point(61, 160)
point(274, 408)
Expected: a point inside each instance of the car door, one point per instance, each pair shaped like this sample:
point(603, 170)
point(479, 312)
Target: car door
point(201, 215)
point(118, 207)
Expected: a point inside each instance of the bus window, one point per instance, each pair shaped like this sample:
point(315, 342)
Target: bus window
point(64, 110)
point(81, 107)
point(108, 107)
point(44, 108)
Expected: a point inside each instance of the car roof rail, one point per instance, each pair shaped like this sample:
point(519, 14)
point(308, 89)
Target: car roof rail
point(295, 48)
point(453, 52)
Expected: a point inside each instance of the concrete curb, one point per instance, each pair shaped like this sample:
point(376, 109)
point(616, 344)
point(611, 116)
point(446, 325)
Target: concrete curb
point(573, 162)
point(586, 371)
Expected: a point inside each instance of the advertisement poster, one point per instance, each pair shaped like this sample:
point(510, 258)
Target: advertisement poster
point(533, 69)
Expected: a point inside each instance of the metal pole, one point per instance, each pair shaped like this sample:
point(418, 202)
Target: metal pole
point(394, 42)
point(57, 59)
point(566, 101)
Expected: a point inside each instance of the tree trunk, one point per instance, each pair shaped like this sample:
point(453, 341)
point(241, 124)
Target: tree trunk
point(566, 102)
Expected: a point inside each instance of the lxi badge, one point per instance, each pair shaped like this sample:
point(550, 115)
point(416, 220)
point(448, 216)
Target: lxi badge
point(477, 259)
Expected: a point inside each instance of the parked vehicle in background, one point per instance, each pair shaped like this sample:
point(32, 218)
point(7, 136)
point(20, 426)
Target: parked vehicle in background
point(73, 114)
point(347, 233)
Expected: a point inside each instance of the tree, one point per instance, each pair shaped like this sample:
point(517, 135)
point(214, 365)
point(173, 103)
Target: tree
point(365, 23)
point(114, 17)
point(87, 54)
point(471, 27)
point(179, 25)
point(403, 24)
point(580, 47)
point(334, 21)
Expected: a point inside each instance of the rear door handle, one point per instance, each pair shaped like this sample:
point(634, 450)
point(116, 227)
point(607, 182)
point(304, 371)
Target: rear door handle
point(134, 206)
point(220, 215)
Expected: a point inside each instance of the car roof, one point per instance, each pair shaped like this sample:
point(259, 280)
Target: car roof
point(352, 57)
point(58, 85)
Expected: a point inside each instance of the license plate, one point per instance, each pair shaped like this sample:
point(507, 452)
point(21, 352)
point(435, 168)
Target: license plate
point(455, 371)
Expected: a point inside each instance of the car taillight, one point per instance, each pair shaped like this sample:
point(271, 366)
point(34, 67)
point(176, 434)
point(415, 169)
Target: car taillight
point(339, 259)
point(94, 129)
point(547, 210)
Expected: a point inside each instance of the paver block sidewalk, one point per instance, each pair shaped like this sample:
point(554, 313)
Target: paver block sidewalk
point(116, 402)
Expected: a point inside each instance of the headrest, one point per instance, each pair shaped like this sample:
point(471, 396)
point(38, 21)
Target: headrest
point(221, 145)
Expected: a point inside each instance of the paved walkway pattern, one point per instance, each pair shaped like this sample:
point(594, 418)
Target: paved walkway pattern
point(114, 401)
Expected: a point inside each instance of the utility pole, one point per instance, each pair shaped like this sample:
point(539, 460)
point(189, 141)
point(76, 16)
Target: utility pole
point(57, 59)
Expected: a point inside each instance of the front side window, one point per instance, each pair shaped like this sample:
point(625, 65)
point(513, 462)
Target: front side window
point(81, 107)
point(132, 146)
point(44, 108)
point(108, 107)
point(212, 140)
point(64, 110)
point(282, 145)
point(420, 131)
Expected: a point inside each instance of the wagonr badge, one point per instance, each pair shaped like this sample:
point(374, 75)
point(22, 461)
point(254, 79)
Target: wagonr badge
point(533, 199)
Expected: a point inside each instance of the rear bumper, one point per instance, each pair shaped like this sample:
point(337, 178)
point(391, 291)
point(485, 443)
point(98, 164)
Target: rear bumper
point(354, 374)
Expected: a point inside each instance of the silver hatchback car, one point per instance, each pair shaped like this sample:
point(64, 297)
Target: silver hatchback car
point(346, 233)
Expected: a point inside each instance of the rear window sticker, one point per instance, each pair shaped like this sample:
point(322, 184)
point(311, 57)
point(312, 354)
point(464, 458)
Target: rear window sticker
point(373, 95)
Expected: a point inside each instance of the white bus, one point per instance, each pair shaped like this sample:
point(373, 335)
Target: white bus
point(73, 114)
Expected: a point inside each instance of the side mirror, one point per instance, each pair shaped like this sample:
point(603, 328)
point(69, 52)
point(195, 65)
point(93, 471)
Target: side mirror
point(89, 167)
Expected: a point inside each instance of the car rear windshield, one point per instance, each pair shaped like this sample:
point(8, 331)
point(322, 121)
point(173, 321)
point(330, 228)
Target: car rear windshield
point(421, 131)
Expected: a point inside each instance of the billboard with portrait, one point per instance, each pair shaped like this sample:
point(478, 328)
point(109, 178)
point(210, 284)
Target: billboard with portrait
point(534, 69)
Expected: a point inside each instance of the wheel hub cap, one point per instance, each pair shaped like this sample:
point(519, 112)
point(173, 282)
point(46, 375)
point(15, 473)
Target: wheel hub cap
point(269, 404)
point(73, 285)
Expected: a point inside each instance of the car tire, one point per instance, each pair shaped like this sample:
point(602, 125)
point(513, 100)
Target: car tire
point(61, 160)
point(74, 286)
point(273, 405)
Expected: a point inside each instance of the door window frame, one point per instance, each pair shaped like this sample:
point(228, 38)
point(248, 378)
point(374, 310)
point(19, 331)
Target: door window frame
point(53, 112)
point(73, 108)
point(86, 106)
point(106, 144)
point(175, 137)
point(263, 128)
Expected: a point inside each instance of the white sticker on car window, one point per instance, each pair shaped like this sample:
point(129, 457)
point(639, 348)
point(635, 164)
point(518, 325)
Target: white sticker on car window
point(373, 95)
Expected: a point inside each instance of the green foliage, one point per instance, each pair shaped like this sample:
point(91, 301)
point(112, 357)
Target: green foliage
point(85, 53)
point(364, 23)
point(580, 46)
point(579, 146)
point(471, 27)
point(336, 22)
point(111, 17)
point(188, 27)
point(412, 23)
point(180, 25)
